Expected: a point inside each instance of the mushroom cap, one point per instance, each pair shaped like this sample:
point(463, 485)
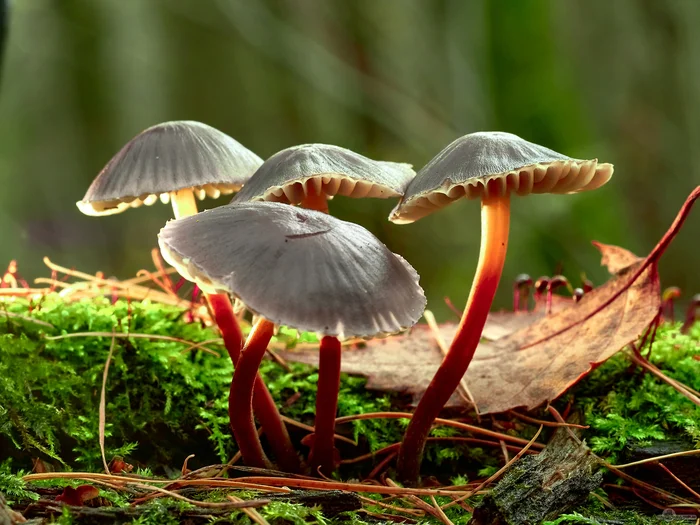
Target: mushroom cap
point(493, 162)
point(297, 267)
point(289, 174)
point(168, 157)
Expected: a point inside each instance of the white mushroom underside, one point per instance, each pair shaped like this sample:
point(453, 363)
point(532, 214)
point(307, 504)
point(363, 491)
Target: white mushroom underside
point(556, 177)
point(207, 284)
point(330, 185)
point(111, 207)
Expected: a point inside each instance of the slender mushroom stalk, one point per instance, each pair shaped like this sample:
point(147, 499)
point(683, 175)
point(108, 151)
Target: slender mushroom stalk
point(240, 401)
point(495, 222)
point(691, 314)
point(184, 205)
point(323, 452)
point(541, 285)
point(491, 166)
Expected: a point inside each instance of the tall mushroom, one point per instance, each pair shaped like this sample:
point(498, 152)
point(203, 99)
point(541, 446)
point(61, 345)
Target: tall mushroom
point(311, 174)
point(298, 268)
point(175, 162)
point(489, 166)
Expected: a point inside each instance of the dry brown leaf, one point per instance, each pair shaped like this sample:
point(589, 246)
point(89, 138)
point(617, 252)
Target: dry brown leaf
point(615, 259)
point(507, 373)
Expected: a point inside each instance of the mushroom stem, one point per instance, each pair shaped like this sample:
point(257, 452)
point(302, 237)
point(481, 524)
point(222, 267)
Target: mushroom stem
point(315, 200)
point(240, 401)
point(263, 404)
point(323, 452)
point(495, 221)
point(184, 203)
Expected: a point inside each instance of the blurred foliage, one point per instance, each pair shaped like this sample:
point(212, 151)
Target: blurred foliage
point(395, 80)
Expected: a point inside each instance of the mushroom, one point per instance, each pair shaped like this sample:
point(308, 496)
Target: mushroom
point(556, 282)
point(298, 268)
point(521, 291)
point(489, 166)
point(668, 297)
point(173, 162)
point(311, 174)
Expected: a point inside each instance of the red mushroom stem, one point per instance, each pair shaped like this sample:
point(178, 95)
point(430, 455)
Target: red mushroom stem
point(240, 406)
point(184, 205)
point(323, 452)
point(495, 222)
point(263, 404)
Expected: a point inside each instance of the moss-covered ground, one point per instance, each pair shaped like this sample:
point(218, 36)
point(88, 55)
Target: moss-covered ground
point(166, 401)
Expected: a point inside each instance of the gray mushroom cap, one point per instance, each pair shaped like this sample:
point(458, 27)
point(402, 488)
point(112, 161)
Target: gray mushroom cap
point(165, 158)
point(297, 267)
point(289, 174)
point(493, 162)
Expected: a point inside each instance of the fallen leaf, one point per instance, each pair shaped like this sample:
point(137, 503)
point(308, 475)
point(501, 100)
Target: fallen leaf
point(615, 259)
point(541, 361)
point(507, 373)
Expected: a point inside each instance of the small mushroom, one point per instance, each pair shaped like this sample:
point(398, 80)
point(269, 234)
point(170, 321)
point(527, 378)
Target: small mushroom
point(668, 298)
point(173, 162)
point(556, 282)
point(298, 268)
point(311, 174)
point(489, 166)
point(521, 291)
point(691, 315)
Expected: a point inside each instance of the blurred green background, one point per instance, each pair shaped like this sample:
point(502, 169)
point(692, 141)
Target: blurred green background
point(393, 79)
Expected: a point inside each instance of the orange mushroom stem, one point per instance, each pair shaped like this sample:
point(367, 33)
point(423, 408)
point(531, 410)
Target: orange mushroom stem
point(323, 452)
point(495, 222)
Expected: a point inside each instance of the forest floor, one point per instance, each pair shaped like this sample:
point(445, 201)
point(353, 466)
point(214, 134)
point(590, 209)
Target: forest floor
point(171, 457)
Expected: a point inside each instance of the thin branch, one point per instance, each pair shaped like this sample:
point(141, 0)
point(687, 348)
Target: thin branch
point(103, 404)
point(440, 422)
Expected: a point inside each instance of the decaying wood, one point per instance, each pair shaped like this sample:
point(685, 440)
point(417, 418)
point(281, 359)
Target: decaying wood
point(541, 487)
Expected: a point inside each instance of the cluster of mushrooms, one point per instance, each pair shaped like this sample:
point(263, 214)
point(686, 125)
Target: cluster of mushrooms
point(277, 251)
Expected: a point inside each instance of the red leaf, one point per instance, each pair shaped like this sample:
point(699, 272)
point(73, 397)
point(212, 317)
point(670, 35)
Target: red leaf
point(76, 497)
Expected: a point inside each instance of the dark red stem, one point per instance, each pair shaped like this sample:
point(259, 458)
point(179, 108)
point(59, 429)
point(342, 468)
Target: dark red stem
point(323, 452)
point(240, 406)
point(263, 404)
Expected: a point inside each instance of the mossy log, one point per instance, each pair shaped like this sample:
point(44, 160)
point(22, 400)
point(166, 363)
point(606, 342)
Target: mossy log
point(541, 487)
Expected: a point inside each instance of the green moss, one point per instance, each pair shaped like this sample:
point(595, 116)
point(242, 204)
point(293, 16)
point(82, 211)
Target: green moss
point(49, 410)
point(625, 405)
